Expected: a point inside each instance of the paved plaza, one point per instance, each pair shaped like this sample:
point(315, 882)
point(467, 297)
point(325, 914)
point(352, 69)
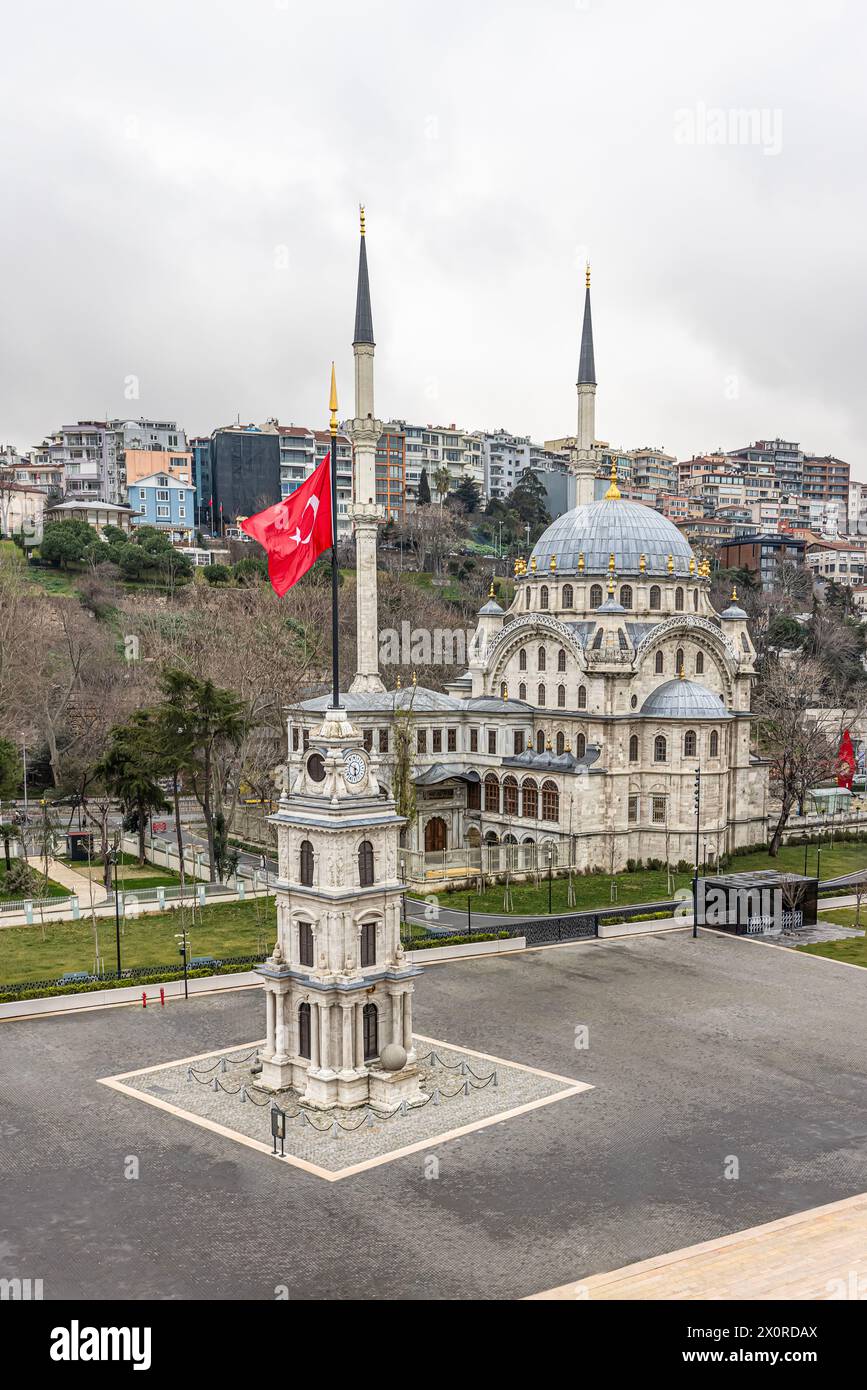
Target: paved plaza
point(698, 1052)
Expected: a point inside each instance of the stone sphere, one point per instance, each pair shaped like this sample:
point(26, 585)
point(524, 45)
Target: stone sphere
point(392, 1057)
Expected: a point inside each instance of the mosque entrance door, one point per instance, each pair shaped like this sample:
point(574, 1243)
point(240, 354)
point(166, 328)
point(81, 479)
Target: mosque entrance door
point(435, 835)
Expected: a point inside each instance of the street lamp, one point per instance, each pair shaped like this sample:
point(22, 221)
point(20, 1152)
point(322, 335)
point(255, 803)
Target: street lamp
point(550, 852)
point(697, 804)
point(112, 859)
point(183, 941)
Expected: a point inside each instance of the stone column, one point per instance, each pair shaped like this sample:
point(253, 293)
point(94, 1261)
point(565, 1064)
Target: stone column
point(270, 1013)
point(359, 1035)
point(280, 1029)
point(407, 1020)
point(346, 1016)
point(397, 1017)
point(325, 1036)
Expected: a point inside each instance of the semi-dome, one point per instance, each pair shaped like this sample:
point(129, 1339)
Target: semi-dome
point(683, 699)
point(627, 530)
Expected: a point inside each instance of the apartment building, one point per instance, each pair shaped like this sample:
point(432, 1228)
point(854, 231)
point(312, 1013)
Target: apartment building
point(92, 454)
point(856, 509)
point(781, 459)
point(761, 554)
point(826, 479)
point(391, 473)
point(431, 448)
point(840, 562)
point(653, 470)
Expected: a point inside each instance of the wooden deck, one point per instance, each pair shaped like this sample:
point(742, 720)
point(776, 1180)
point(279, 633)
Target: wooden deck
point(816, 1254)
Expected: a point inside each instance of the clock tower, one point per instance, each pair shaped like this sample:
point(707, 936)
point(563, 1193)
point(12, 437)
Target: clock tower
point(338, 986)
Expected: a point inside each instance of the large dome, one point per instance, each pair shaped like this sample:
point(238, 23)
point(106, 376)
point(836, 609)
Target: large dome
point(627, 530)
point(683, 699)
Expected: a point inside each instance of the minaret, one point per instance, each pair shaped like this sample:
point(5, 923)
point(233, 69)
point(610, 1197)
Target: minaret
point(364, 431)
point(584, 461)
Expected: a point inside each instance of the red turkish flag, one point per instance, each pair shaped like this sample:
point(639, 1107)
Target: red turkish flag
point(295, 531)
point(846, 762)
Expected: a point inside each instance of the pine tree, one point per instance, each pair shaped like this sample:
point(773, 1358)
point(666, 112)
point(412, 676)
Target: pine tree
point(423, 489)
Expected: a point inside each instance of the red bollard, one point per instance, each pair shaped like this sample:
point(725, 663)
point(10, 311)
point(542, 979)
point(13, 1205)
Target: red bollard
point(144, 1000)
point(162, 998)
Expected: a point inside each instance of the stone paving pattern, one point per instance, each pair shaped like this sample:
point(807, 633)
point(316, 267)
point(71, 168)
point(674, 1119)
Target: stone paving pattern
point(699, 1049)
point(492, 1090)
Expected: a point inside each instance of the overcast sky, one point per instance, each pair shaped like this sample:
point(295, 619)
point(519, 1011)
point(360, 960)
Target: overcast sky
point(181, 180)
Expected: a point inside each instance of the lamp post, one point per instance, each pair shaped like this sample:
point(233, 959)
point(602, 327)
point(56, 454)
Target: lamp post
point(112, 854)
point(818, 861)
point(550, 852)
point(697, 803)
point(183, 941)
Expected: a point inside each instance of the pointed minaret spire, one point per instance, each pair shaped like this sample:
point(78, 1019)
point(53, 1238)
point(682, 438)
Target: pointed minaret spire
point(363, 312)
point(586, 362)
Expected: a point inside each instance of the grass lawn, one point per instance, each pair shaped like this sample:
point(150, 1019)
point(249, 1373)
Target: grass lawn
point(853, 951)
point(845, 916)
point(648, 885)
point(226, 929)
point(130, 875)
point(53, 890)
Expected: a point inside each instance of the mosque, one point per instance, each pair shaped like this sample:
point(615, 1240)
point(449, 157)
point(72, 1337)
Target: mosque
point(574, 736)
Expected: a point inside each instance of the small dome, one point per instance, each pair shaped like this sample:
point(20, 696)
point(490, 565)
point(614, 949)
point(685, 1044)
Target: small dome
point(491, 609)
point(734, 613)
point(682, 699)
point(626, 530)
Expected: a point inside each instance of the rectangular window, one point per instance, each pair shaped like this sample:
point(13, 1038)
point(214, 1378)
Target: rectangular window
point(437, 740)
point(421, 741)
point(452, 740)
point(492, 740)
point(162, 511)
point(519, 740)
point(383, 740)
point(659, 810)
point(368, 740)
point(474, 740)
point(633, 809)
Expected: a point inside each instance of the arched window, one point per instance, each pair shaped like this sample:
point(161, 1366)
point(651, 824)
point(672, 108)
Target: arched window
point(543, 596)
point(365, 863)
point(699, 663)
point(561, 743)
point(690, 744)
point(522, 691)
point(714, 744)
point(370, 1032)
point(541, 695)
point(528, 598)
point(695, 599)
point(510, 796)
point(530, 797)
point(305, 872)
point(655, 596)
point(678, 600)
point(540, 742)
point(305, 943)
point(633, 749)
point(522, 659)
point(304, 1031)
point(580, 746)
point(582, 697)
point(596, 596)
point(561, 697)
point(568, 597)
point(659, 663)
point(678, 661)
point(368, 943)
point(550, 801)
point(561, 659)
point(474, 796)
point(660, 749)
point(540, 662)
point(626, 595)
point(492, 793)
point(745, 643)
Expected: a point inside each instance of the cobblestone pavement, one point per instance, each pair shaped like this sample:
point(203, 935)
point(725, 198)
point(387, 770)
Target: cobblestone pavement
point(459, 1089)
point(699, 1050)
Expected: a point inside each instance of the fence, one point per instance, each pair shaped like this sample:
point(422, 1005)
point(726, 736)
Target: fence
point(417, 866)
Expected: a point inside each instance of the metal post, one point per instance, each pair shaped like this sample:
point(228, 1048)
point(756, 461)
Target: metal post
point(697, 851)
point(335, 575)
point(469, 915)
point(550, 878)
point(116, 911)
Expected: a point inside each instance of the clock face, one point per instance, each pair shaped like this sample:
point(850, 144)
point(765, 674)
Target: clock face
point(354, 767)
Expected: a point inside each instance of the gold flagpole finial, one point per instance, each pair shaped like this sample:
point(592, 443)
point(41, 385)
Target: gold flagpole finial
point(491, 593)
point(332, 403)
point(361, 212)
point(734, 593)
point(587, 274)
point(682, 674)
point(613, 493)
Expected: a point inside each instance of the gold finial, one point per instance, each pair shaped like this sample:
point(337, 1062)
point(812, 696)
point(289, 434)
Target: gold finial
point(587, 275)
point(611, 586)
point(682, 673)
point(611, 562)
point(581, 563)
point(332, 402)
point(613, 493)
point(414, 678)
point(671, 564)
point(361, 211)
point(548, 748)
point(533, 563)
point(517, 567)
point(505, 691)
point(398, 680)
point(553, 564)
point(692, 564)
point(491, 593)
point(734, 594)
point(642, 563)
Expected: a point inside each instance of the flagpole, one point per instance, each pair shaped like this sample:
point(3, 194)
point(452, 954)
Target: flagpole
point(335, 577)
